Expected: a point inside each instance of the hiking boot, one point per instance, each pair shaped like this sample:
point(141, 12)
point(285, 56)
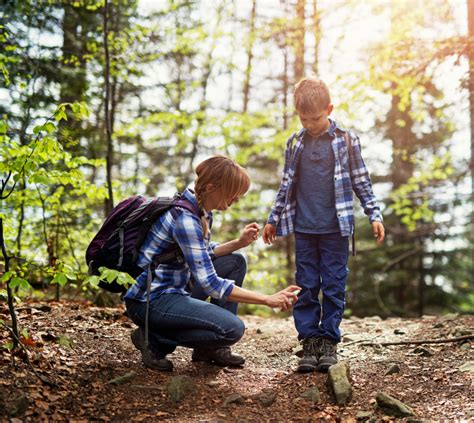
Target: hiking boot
point(138, 338)
point(221, 356)
point(311, 354)
point(150, 358)
point(328, 355)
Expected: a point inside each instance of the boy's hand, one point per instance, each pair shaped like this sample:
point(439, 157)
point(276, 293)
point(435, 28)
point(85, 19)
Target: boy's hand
point(249, 234)
point(269, 234)
point(379, 232)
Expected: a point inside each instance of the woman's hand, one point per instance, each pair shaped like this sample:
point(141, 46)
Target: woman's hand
point(283, 299)
point(249, 234)
point(269, 234)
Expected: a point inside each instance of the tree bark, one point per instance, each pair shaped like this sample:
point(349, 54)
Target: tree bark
point(248, 69)
point(470, 19)
point(11, 305)
point(317, 35)
point(109, 202)
point(300, 40)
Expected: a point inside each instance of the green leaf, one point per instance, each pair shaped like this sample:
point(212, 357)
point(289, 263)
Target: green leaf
point(49, 127)
point(60, 278)
point(8, 346)
point(6, 276)
point(64, 341)
point(21, 282)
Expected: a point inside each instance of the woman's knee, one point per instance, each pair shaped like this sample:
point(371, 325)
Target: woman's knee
point(235, 329)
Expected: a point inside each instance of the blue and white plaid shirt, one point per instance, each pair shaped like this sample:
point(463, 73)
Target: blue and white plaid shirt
point(179, 226)
point(350, 173)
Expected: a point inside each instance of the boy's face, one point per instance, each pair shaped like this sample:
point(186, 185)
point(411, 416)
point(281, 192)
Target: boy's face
point(317, 122)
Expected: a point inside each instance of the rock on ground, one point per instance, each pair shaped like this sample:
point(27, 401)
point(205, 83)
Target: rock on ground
point(179, 387)
point(392, 406)
point(338, 378)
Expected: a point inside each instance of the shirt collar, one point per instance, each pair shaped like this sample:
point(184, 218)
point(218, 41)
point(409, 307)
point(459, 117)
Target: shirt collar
point(331, 131)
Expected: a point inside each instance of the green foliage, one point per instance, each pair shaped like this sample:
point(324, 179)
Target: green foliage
point(413, 201)
point(108, 276)
point(178, 73)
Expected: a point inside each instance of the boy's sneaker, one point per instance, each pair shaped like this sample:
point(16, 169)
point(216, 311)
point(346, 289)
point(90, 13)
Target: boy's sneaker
point(221, 356)
point(151, 359)
point(328, 355)
point(311, 354)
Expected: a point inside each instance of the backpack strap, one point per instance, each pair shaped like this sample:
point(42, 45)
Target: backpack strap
point(166, 257)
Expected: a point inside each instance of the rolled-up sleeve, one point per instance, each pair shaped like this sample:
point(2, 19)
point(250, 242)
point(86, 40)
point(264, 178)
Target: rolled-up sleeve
point(189, 236)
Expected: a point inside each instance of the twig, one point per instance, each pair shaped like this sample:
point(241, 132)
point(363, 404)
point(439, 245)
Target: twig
point(423, 341)
point(27, 359)
point(359, 341)
point(400, 258)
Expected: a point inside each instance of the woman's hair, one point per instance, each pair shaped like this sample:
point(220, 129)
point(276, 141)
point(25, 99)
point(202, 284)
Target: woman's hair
point(224, 173)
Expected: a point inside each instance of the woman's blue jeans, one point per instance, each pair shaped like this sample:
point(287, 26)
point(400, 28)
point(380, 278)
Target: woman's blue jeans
point(180, 320)
point(321, 265)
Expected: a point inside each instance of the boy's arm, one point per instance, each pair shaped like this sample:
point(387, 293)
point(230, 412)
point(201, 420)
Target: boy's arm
point(277, 208)
point(361, 182)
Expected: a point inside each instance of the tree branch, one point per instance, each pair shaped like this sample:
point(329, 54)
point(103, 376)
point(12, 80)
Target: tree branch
point(422, 341)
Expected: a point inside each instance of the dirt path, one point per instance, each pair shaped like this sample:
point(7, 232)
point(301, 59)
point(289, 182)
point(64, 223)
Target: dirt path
point(81, 348)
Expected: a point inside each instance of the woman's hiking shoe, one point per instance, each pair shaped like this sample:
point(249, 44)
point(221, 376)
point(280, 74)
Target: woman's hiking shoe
point(151, 359)
point(311, 354)
point(221, 356)
point(138, 338)
point(328, 355)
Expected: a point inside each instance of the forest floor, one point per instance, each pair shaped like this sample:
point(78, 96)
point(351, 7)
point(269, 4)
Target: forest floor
point(81, 348)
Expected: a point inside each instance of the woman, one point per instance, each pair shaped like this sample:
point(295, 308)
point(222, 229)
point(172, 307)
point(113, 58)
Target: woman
point(175, 317)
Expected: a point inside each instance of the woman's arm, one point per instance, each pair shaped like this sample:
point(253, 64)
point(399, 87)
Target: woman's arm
point(249, 235)
point(283, 299)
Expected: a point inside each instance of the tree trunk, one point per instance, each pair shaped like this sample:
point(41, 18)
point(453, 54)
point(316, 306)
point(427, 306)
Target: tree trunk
point(317, 35)
point(248, 69)
point(109, 202)
point(299, 33)
point(11, 305)
point(421, 279)
point(470, 19)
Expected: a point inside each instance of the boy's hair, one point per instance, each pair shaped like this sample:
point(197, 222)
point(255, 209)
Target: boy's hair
point(311, 95)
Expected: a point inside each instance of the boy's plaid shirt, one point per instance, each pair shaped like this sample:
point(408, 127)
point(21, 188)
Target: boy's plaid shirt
point(350, 173)
point(180, 226)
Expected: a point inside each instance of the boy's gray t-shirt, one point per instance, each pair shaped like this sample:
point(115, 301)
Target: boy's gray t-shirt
point(315, 197)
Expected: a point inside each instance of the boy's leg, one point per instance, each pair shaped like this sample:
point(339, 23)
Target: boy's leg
point(232, 266)
point(307, 309)
point(334, 250)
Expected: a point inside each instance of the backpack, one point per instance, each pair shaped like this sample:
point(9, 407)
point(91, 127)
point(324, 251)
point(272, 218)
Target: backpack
point(118, 242)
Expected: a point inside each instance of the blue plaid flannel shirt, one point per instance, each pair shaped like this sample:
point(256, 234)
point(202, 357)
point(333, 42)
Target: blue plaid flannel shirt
point(179, 226)
point(350, 174)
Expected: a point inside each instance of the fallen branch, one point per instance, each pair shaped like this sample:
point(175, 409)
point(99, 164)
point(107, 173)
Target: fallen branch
point(127, 377)
point(423, 341)
point(27, 359)
point(359, 341)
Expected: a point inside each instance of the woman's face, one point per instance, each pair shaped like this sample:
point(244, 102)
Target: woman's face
point(216, 200)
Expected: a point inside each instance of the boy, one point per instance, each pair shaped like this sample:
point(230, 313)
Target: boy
point(323, 165)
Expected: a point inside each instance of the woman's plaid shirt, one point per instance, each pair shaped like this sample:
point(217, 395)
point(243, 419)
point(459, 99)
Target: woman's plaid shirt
point(180, 226)
point(350, 174)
